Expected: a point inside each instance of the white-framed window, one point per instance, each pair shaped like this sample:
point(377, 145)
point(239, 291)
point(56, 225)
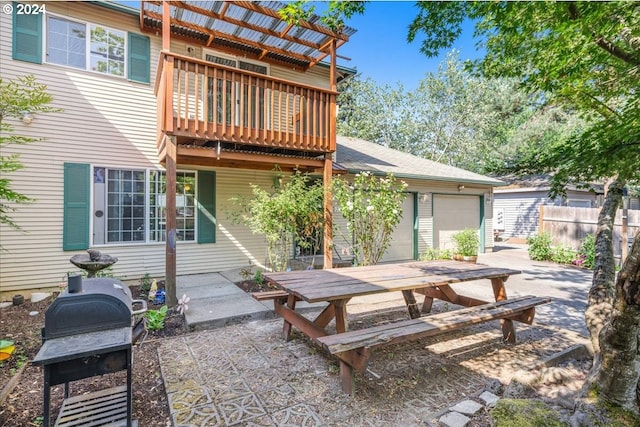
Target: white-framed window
point(129, 205)
point(85, 46)
point(577, 203)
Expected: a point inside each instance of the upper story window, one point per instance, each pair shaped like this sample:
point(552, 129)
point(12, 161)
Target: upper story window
point(229, 61)
point(86, 46)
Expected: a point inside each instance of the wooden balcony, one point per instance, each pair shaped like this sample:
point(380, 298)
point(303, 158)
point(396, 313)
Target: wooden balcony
point(204, 104)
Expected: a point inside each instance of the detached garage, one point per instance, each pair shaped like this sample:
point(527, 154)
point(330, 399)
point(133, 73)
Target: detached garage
point(441, 199)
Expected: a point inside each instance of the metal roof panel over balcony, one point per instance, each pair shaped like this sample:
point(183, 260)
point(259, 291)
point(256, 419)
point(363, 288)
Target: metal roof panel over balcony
point(251, 28)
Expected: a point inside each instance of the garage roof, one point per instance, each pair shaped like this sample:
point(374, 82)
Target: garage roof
point(360, 155)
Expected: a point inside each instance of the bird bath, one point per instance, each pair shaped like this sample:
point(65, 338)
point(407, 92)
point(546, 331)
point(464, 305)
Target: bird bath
point(93, 261)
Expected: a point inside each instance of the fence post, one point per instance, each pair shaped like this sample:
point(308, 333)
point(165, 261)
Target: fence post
point(624, 233)
point(541, 219)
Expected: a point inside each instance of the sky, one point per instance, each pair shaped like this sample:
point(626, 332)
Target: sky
point(380, 49)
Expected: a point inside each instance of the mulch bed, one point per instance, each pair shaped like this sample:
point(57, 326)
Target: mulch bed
point(23, 406)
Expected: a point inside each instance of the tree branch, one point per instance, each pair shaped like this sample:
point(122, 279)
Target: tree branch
point(616, 51)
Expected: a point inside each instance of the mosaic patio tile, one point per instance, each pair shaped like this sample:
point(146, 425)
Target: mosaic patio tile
point(267, 378)
point(218, 372)
point(278, 397)
point(200, 416)
point(228, 388)
point(241, 409)
point(299, 415)
point(264, 421)
point(188, 397)
point(174, 384)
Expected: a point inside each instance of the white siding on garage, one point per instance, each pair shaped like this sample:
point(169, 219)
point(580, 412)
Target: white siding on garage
point(453, 213)
point(401, 247)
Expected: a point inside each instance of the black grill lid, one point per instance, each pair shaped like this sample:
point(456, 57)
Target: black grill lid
point(104, 303)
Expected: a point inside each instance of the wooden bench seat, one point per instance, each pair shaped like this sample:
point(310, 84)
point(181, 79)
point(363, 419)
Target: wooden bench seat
point(353, 347)
point(270, 295)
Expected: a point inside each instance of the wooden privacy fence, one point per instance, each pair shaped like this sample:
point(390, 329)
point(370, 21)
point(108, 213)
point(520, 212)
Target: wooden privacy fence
point(568, 226)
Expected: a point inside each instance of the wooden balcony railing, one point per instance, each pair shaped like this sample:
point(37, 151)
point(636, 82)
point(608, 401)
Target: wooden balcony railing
point(202, 100)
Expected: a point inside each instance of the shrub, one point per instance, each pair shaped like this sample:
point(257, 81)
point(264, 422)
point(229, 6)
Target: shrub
point(372, 207)
point(539, 247)
point(467, 242)
point(587, 253)
point(432, 254)
point(563, 255)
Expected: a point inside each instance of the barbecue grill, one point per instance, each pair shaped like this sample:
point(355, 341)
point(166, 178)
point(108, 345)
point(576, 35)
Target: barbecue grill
point(88, 332)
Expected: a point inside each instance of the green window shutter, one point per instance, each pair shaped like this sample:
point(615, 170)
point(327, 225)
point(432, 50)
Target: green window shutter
point(206, 207)
point(77, 192)
point(27, 36)
point(139, 58)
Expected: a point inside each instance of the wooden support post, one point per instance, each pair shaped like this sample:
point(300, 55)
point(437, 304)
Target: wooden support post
point(500, 293)
point(346, 378)
point(328, 212)
point(286, 327)
point(328, 165)
point(170, 216)
point(341, 316)
point(166, 26)
point(412, 306)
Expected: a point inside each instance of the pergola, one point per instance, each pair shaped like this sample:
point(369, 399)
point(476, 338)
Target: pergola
point(248, 29)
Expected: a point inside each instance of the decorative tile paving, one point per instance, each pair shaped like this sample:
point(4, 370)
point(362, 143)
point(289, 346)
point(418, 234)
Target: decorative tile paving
point(278, 397)
point(246, 375)
point(300, 415)
point(199, 416)
point(188, 397)
point(241, 409)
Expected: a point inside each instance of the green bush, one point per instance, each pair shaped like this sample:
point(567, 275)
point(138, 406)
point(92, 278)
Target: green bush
point(563, 255)
point(467, 242)
point(431, 254)
point(539, 247)
point(587, 253)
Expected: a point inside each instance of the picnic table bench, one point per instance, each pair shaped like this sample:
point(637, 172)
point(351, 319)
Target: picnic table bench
point(432, 279)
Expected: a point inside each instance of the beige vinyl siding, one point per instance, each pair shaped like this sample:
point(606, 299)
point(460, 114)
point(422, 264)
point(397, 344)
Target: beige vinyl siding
point(426, 190)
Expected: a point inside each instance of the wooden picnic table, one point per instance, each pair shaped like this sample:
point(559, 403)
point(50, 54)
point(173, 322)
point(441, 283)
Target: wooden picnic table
point(432, 279)
point(338, 286)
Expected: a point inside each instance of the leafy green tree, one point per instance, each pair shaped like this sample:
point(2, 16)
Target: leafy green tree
point(453, 117)
point(17, 97)
point(372, 206)
point(585, 56)
point(290, 214)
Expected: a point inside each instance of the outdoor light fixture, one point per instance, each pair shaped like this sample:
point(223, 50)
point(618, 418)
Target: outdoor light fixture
point(27, 117)
point(460, 188)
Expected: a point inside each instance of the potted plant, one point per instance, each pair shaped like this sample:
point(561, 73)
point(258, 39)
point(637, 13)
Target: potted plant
point(467, 242)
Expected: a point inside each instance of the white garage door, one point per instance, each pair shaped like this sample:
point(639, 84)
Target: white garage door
point(401, 248)
point(452, 214)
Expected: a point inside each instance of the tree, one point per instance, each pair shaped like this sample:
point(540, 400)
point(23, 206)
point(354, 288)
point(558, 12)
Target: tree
point(17, 97)
point(372, 207)
point(453, 117)
point(291, 214)
point(584, 56)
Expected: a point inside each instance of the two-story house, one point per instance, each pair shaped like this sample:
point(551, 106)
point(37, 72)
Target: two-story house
point(168, 112)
